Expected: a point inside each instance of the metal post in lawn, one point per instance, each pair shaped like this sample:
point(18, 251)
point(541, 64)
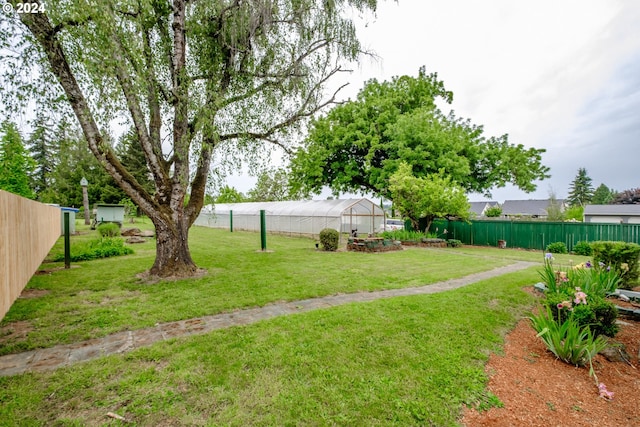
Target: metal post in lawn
point(231, 221)
point(67, 242)
point(263, 230)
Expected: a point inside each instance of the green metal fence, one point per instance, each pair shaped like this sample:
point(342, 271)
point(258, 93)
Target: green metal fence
point(535, 234)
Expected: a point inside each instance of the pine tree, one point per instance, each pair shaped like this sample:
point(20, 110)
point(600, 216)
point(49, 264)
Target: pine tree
point(15, 163)
point(581, 190)
point(42, 150)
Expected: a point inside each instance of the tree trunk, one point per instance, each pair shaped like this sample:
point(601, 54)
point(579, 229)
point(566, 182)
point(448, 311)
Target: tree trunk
point(173, 258)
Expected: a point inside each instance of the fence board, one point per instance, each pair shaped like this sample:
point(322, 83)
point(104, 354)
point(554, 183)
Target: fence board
point(28, 230)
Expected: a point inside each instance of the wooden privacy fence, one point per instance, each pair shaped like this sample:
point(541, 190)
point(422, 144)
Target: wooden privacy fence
point(535, 234)
point(28, 230)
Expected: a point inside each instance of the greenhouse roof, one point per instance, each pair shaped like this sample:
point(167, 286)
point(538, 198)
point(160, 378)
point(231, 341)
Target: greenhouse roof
point(325, 208)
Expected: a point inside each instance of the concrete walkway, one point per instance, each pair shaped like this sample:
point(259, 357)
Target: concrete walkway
point(122, 342)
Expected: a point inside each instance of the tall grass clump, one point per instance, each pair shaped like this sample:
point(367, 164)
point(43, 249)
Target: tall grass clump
point(407, 235)
point(109, 229)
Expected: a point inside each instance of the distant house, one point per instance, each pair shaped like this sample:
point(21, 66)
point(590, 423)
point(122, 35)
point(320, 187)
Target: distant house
point(478, 209)
point(612, 214)
point(534, 208)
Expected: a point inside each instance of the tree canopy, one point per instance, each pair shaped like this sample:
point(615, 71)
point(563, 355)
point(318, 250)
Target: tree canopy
point(15, 163)
point(273, 186)
point(603, 195)
point(359, 144)
point(230, 195)
point(189, 76)
point(430, 197)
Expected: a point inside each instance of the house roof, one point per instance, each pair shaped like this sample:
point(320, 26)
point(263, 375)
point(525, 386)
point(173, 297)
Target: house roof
point(479, 207)
point(612, 210)
point(531, 207)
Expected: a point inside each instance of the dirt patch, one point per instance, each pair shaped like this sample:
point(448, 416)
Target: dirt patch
point(33, 293)
point(51, 270)
point(539, 390)
point(15, 331)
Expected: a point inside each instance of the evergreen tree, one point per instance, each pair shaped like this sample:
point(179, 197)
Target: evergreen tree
point(15, 163)
point(581, 190)
point(42, 150)
point(75, 162)
point(603, 195)
point(132, 157)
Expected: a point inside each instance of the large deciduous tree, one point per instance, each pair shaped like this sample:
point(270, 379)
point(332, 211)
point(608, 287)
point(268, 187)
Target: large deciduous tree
point(224, 75)
point(580, 190)
point(358, 145)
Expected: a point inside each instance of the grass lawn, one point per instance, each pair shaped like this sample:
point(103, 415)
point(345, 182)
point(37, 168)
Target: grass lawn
point(405, 361)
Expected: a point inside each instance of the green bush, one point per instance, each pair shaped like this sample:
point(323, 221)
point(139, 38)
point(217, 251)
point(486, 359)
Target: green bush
point(104, 247)
point(493, 212)
point(557, 248)
point(109, 229)
point(599, 315)
point(621, 256)
point(454, 243)
point(329, 239)
point(582, 248)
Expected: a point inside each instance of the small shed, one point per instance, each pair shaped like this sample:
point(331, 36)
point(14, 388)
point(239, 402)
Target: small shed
point(72, 219)
point(108, 213)
point(612, 214)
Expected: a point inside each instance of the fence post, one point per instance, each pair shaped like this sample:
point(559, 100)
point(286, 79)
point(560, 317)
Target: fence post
point(263, 230)
point(67, 242)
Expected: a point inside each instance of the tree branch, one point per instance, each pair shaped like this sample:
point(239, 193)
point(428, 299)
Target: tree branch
point(41, 28)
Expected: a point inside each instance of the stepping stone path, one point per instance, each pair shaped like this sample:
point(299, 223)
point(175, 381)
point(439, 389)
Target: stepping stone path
point(122, 342)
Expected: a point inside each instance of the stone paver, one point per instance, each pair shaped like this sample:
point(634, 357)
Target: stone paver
point(122, 342)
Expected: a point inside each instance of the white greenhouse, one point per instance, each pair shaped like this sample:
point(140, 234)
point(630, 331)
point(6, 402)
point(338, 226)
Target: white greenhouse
point(306, 217)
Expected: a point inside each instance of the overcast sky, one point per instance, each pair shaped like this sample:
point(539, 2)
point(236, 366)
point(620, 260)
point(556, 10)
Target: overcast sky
point(560, 75)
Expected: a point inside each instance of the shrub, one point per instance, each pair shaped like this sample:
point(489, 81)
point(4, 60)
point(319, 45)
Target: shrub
point(493, 212)
point(581, 293)
point(109, 229)
point(621, 256)
point(104, 247)
point(557, 248)
point(329, 239)
point(454, 243)
point(582, 248)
